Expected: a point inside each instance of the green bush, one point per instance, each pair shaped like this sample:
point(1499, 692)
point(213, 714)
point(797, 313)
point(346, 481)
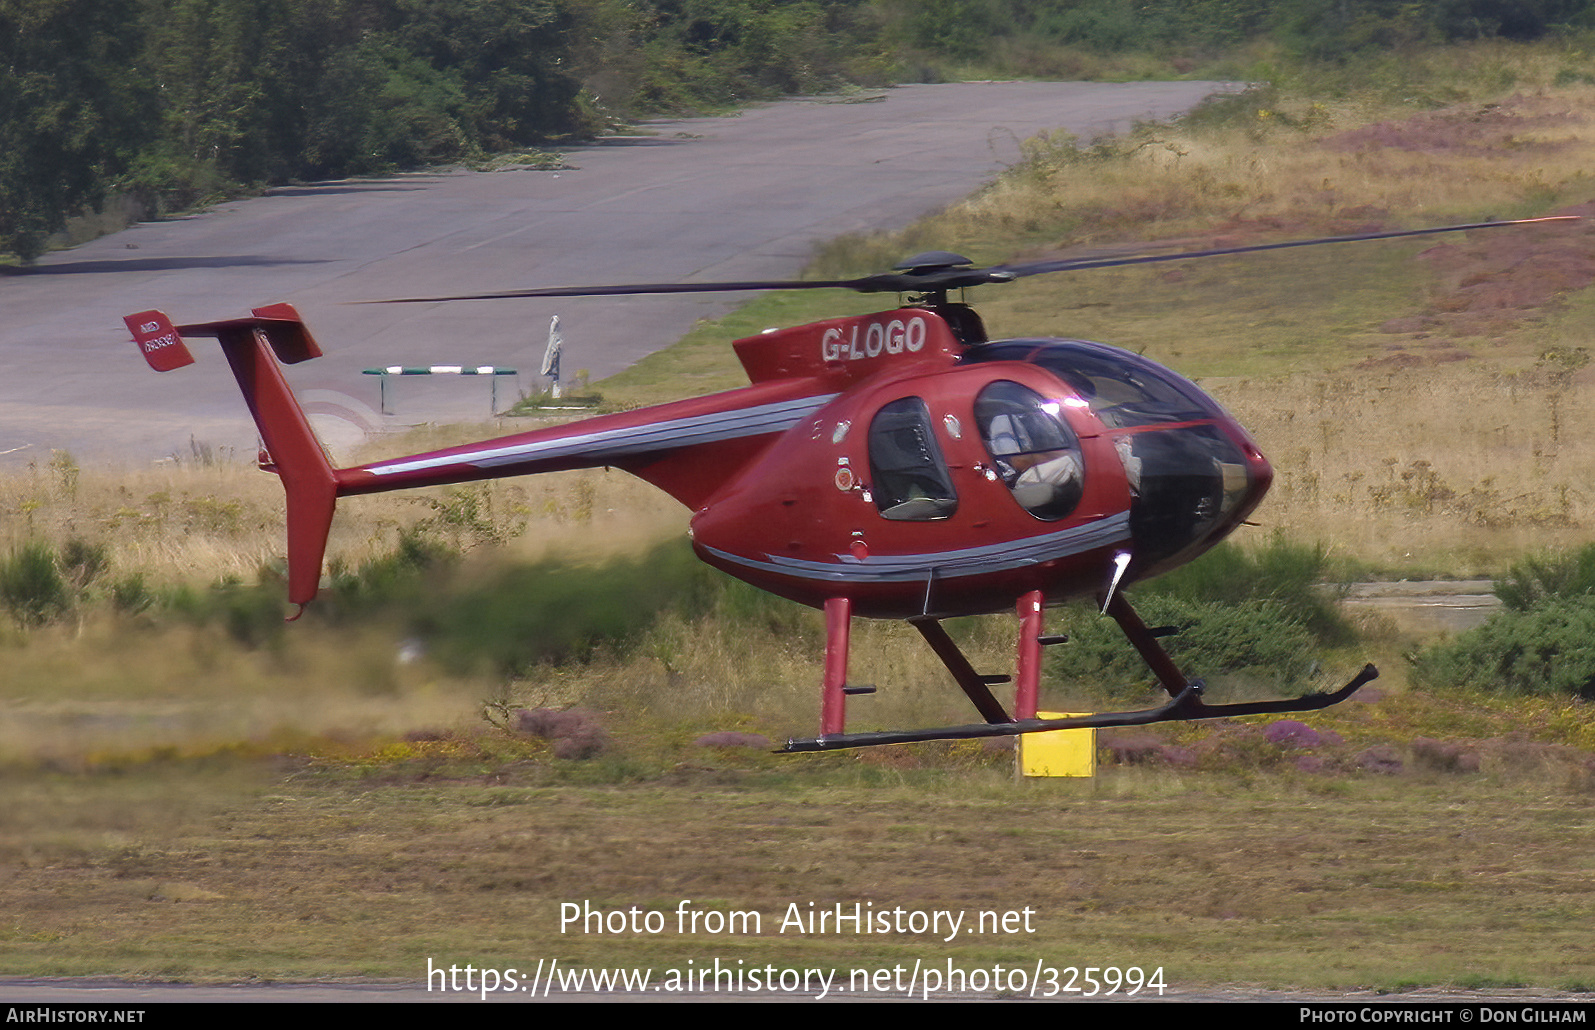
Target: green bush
point(1252, 639)
point(1547, 576)
point(40, 584)
point(1258, 615)
point(82, 563)
point(251, 613)
point(521, 615)
point(131, 594)
point(1548, 648)
point(32, 587)
point(1297, 578)
point(500, 616)
point(1542, 642)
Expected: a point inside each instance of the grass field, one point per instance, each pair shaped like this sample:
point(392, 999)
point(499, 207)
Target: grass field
point(221, 869)
point(215, 798)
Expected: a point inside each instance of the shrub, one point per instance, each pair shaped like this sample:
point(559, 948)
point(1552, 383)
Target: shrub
point(1295, 577)
point(131, 594)
point(39, 584)
point(1249, 614)
point(82, 563)
point(1548, 648)
point(1551, 574)
point(31, 586)
point(521, 615)
point(1257, 638)
point(1542, 642)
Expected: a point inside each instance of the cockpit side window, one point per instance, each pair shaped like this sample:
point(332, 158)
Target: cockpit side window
point(1035, 453)
point(910, 480)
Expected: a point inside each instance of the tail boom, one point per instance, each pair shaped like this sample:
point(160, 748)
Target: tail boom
point(720, 432)
point(689, 448)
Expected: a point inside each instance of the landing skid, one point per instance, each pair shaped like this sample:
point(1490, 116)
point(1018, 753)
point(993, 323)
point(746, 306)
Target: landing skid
point(1185, 695)
point(1185, 707)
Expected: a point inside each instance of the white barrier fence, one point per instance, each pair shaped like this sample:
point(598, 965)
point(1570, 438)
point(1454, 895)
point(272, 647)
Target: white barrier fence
point(491, 371)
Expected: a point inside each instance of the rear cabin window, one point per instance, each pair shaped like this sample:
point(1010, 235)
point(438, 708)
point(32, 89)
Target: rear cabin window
point(910, 480)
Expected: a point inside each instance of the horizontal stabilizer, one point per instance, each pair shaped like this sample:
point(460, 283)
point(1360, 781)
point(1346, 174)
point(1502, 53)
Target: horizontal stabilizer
point(163, 346)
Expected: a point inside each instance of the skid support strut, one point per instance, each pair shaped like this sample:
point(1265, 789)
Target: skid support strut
point(971, 682)
point(834, 691)
point(1027, 683)
point(1146, 645)
point(833, 704)
point(1185, 702)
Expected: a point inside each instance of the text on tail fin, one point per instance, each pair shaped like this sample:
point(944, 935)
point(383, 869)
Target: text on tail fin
point(158, 340)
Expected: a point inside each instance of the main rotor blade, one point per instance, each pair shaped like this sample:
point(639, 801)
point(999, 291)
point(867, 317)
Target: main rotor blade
point(623, 291)
point(1078, 264)
point(888, 282)
point(944, 278)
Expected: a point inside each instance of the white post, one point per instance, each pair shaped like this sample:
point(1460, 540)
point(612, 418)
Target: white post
point(551, 357)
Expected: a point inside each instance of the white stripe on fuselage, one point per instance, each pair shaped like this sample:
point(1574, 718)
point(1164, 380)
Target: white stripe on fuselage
point(614, 443)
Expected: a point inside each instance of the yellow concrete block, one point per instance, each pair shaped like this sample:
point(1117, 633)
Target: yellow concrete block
point(1058, 752)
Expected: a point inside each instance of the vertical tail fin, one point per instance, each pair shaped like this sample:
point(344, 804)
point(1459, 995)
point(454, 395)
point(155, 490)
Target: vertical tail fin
point(253, 347)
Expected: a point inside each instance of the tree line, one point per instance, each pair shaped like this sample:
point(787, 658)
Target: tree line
point(176, 100)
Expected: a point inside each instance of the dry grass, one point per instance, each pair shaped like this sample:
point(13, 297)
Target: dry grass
point(1322, 167)
point(200, 872)
point(186, 520)
point(203, 522)
point(1410, 468)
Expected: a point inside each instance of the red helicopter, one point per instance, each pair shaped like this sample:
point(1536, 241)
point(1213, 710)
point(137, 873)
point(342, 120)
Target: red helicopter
point(898, 465)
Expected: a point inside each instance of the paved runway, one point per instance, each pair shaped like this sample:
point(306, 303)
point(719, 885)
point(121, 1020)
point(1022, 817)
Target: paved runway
point(710, 198)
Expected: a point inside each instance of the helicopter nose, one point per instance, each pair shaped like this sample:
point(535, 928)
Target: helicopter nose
point(1247, 475)
point(1193, 485)
point(1259, 477)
